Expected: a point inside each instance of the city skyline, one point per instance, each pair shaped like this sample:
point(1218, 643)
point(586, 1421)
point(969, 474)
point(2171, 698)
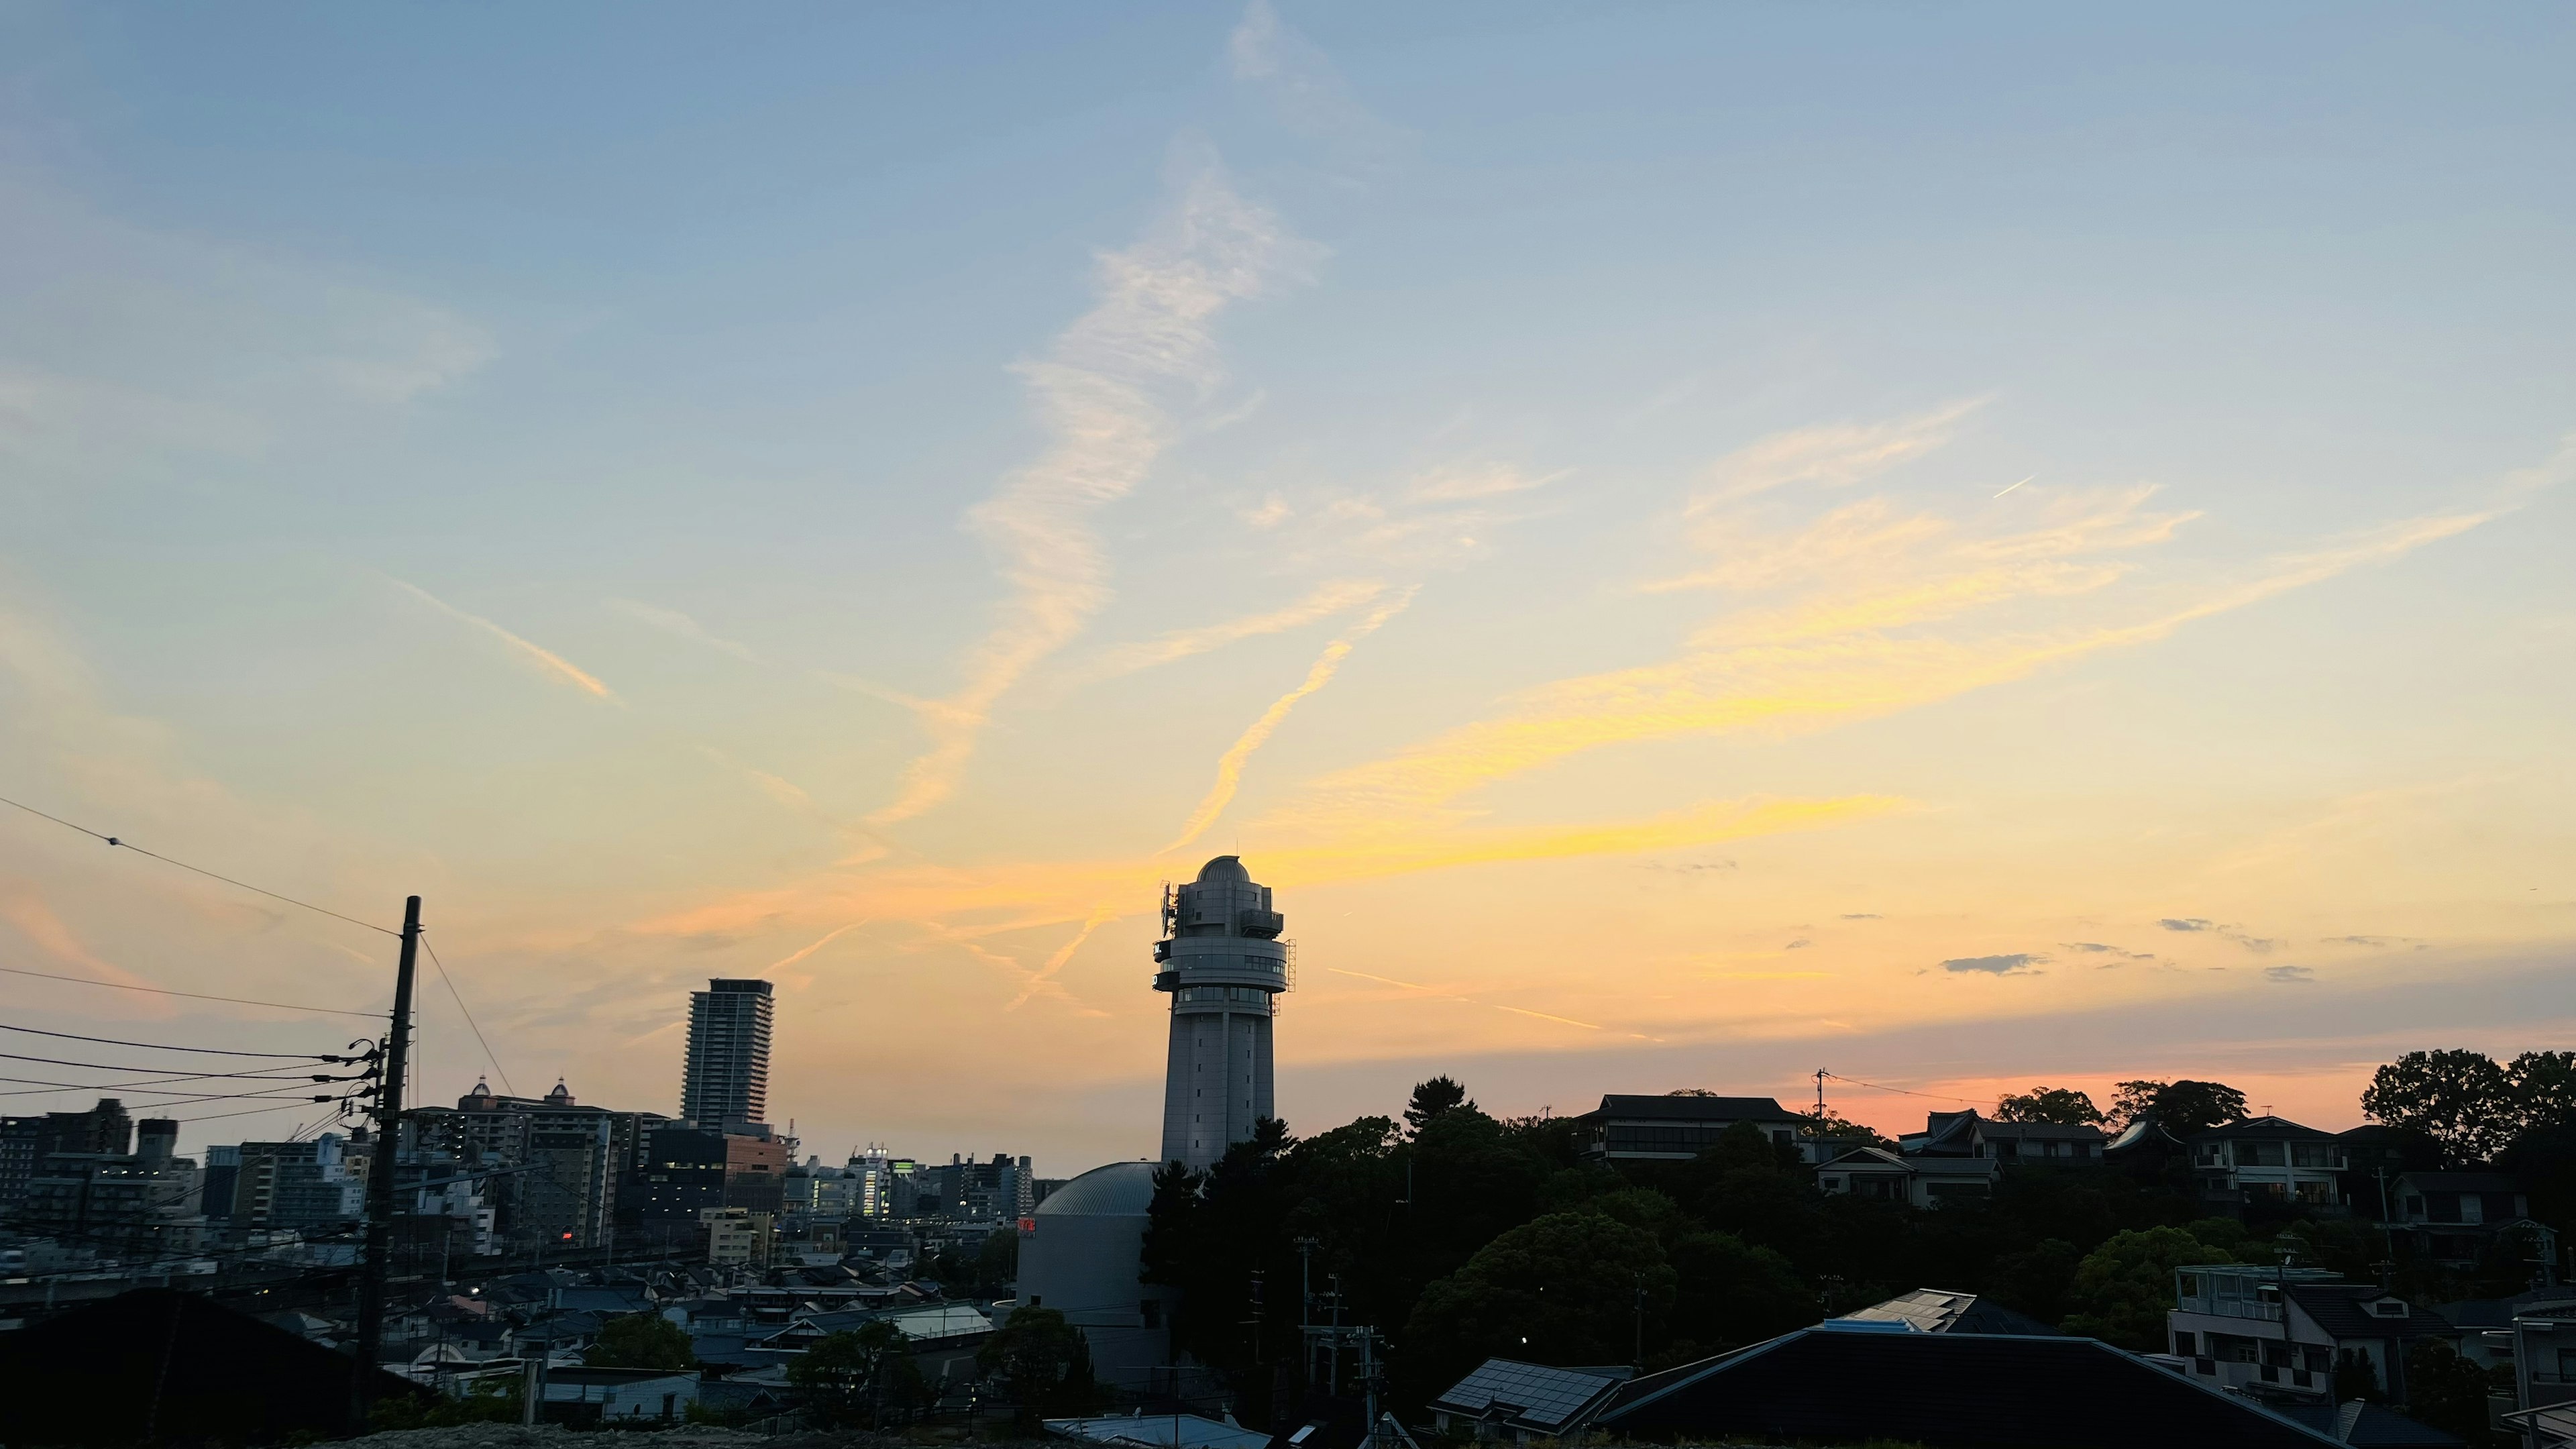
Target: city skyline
point(1958, 550)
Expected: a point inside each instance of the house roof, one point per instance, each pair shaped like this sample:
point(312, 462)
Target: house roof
point(2265, 1128)
point(2462, 1181)
point(1948, 1391)
point(1691, 1109)
point(1171, 1431)
point(1868, 1158)
point(2338, 1309)
point(1939, 1310)
point(2138, 1134)
point(2370, 1426)
point(2041, 1131)
point(1529, 1395)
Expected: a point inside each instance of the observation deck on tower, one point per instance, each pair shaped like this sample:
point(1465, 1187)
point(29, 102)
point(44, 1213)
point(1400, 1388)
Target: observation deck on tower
point(1221, 948)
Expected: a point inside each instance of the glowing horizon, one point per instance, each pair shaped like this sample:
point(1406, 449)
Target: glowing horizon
point(1688, 548)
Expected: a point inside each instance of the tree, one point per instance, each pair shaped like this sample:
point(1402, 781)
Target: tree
point(1035, 1355)
point(2446, 1391)
point(641, 1340)
point(1727, 1293)
point(2124, 1288)
point(2181, 1108)
point(1432, 1099)
point(2063, 1105)
point(2462, 1099)
point(2356, 1377)
point(1831, 1124)
point(1561, 1289)
point(858, 1375)
point(2038, 1280)
point(2544, 1088)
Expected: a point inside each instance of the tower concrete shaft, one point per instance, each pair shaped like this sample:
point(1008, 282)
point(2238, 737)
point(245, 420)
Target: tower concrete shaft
point(1223, 963)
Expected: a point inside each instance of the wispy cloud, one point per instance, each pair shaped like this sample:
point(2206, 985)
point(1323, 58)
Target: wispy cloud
point(828, 937)
point(673, 622)
point(1100, 392)
point(2288, 973)
point(1461, 483)
point(1835, 455)
point(548, 662)
point(1875, 627)
point(1229, 766)
point(1333, 596)
point(2018, 963)
point(1306, 91)
point(1436, 994)
point(1044, 977)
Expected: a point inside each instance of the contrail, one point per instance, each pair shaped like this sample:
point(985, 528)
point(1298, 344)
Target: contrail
point(827, 940)
point(2016, 485)
point(1100, 391)
point(1229, 768)
point(1471, 1001)
point(545, 659)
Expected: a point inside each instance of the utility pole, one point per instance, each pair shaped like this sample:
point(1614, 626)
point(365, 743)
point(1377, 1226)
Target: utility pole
point(1306, 1302)
point(380, 1175)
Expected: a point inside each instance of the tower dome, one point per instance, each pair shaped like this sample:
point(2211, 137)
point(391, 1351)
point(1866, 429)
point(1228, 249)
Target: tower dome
point(1224, 965)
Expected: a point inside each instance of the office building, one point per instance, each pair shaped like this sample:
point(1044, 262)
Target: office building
point(1224, 965)
point(103, 1130)
point(726, 1079)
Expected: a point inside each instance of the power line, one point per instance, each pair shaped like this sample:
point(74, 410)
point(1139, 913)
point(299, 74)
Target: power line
point(197, 869)
point(191, 995)
point(38, 1085)
point(469, 1016)
point(1904, 1092)
point(161, 1047)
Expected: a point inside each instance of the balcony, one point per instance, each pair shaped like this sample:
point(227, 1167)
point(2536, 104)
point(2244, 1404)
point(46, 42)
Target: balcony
point(2225, 1375)
point(2231, 1308)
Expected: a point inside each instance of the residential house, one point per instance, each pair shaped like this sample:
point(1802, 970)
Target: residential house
point(1847, 1384)
point(2542, 1343)
point(1958, 1154)
point(2282, 1330)
point(600, 1394)
point(2268, 1161)
point(1936, 1310)
point(1507, 1401)
point(2455, 1218)
point(1677, 1128)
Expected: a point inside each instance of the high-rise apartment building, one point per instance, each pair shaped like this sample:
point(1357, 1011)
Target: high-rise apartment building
point(1223, 963)
point(726, 1080)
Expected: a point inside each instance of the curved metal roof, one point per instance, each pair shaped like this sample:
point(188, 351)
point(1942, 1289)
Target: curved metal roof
point(1119, 1190)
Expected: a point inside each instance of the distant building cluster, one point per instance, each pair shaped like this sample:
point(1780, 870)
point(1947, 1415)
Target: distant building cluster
point(94, 1195)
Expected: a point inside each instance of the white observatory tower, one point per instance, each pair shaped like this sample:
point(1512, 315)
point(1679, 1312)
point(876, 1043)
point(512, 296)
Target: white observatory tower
point(1223, 962)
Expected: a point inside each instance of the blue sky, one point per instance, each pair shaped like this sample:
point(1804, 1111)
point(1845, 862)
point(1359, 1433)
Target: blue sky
point(371, 379)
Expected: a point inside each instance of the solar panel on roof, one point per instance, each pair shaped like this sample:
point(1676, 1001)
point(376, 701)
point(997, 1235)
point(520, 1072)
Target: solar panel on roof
point(1530, 1392)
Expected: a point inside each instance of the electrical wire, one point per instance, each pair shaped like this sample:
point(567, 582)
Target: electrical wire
point(197, 869)
point(192, 995)
point(161, 1047)
point(469, 1016)
point(102, 1066)
point(39, 1084)
point(1903, 1092)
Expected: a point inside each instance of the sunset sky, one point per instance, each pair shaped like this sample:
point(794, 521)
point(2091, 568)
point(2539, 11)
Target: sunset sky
point(1965, 547)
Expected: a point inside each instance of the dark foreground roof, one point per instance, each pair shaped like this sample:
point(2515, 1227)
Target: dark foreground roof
point(165, 1366)
point(1946, 1391)
point(1696, 1109)
point(2368, 1426)
point(1528, 1395)
point(1938, 1310)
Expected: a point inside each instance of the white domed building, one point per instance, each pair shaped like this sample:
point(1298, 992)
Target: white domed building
point(1080, 1254)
